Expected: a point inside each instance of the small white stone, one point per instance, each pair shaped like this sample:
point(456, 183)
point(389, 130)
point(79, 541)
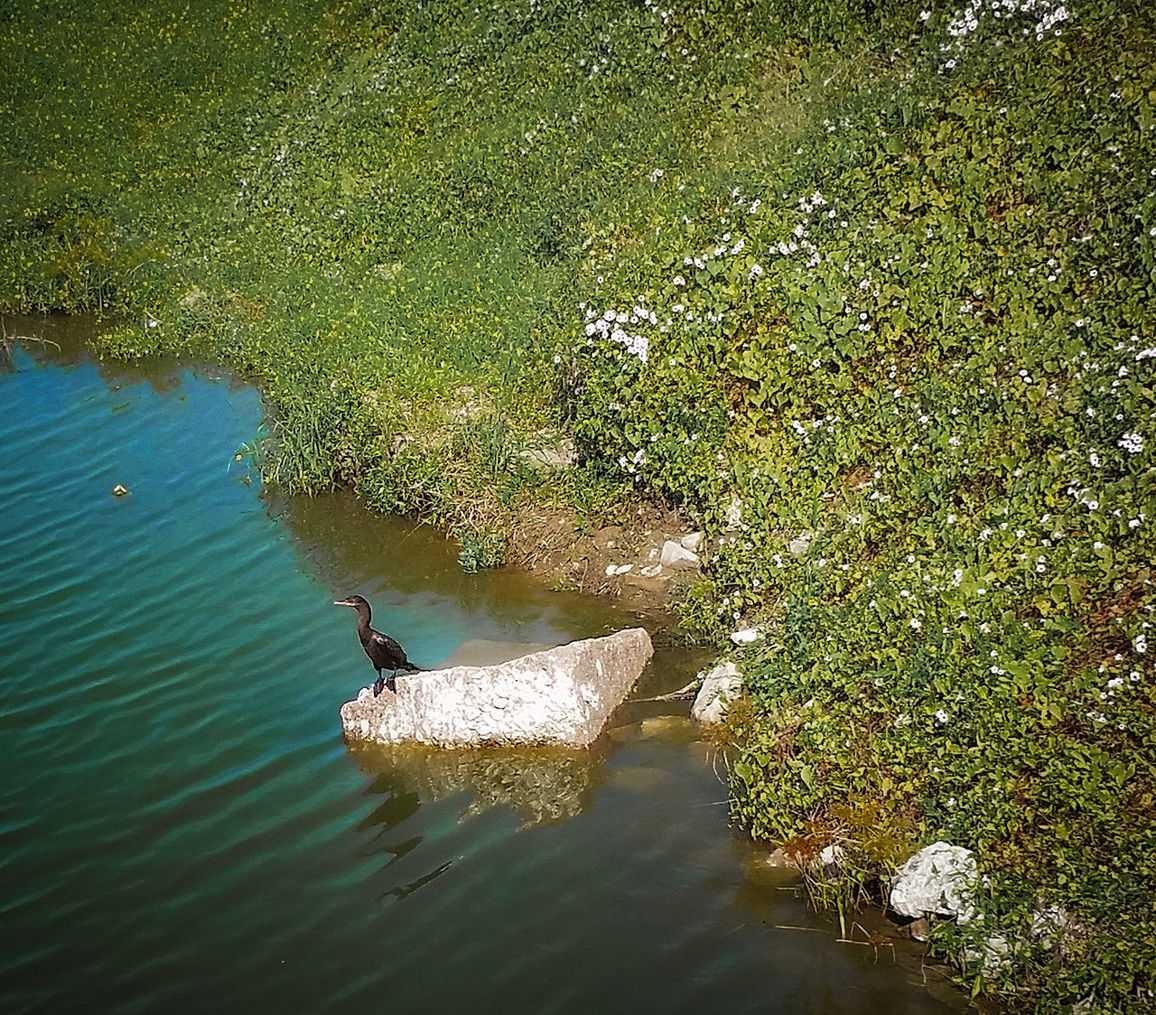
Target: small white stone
point(691, 541)
point(831, 856)
point(734, 513)
point(720, 687)
point(799, 545)
point(676, 556)
point(994, 955)
point(746, 635)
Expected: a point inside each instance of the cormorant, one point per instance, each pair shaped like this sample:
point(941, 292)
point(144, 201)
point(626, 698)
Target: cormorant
point(383, 651)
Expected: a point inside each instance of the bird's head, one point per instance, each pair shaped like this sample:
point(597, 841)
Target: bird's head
point(357, 602)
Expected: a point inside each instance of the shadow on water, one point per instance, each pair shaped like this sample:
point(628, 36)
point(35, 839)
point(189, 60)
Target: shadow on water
point(391, 560)
point(66, 342)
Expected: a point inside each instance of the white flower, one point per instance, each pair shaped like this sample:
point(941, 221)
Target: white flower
point(1140, 643)
point(941, 717)
point(1133, 443)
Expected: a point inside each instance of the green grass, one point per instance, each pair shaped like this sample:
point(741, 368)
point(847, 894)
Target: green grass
point(883, 279)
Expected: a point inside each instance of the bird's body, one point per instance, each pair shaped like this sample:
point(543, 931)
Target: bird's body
point(383, 652)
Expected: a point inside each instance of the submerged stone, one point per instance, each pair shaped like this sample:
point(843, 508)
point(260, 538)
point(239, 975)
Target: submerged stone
point(559, 696)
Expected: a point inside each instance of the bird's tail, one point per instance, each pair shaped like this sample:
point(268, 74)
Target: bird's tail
point(411, 668)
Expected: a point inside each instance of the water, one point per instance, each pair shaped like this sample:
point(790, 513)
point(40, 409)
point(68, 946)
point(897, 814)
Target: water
point(182, 827)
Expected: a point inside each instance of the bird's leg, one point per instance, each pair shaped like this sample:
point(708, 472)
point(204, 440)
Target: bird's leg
point(391, 683)
point(379, 683)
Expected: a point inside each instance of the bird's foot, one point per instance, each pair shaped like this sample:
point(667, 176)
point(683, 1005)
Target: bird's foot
point(378, 684)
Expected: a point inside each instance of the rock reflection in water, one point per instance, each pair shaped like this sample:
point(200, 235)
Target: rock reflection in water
point(541, 785)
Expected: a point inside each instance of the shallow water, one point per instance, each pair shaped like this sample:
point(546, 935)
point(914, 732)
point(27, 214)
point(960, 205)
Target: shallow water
point(182, 827)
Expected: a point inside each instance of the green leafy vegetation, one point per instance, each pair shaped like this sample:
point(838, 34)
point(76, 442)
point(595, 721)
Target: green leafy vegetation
point(874, 275)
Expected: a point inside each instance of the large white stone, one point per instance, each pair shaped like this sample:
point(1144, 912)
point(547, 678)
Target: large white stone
point(559, 696)
point(720, 687)
point(939, 880)
point(676, 556)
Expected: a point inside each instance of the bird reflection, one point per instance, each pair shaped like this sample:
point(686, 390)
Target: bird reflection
point(391, 813)
point(402, 891)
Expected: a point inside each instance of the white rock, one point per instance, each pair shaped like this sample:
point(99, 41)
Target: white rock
point(612, 570)
point(675, 556)
point(831, 856)
point(691, 541)
point(558, 696)
point(549, 459)
point(734, 513)
point(1053, 926)
point(720, 687)
point(938, 880)
point(746, 635)
point(653, 571)
point(799, 545)
point(994, 954)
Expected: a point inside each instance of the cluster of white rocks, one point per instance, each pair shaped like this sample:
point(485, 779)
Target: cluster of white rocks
point(941, 882)
point(663, 561)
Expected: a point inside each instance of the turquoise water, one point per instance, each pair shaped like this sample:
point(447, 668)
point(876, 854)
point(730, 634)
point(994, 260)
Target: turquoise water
point(182, 827)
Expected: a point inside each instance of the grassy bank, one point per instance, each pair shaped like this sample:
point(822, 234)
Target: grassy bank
point(877, 275)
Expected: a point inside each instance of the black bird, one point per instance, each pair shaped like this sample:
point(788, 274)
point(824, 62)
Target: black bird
point(383, 651)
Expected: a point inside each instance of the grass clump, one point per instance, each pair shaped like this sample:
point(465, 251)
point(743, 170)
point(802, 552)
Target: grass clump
point(865, 288)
